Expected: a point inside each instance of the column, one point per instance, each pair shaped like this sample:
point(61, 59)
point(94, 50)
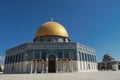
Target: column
point(56, 65)
point(105, 66)
point(17, 64)
point(71, 65)
point(84, 62)
point(35, 66)
point(61, 65)
point(47, 65)
point(42, 66)
point(19, 67)
point(31, 66)
point(68, 65)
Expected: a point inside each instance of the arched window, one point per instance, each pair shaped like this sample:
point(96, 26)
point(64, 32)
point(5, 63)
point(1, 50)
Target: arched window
point(95, 59)
point(10, 59)
point(13, 58)
point(66, 54)
point(22, 56)
point(79, 55)
point(88, 57)
point(73, 55)
point(18, 60)
point(5, 60)
point(92, 58)
point(37, 55)
point(83, 56)
point(59, 54)
point(43, 55)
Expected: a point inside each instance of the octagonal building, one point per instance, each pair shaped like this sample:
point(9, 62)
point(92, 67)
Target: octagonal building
point(50, 52)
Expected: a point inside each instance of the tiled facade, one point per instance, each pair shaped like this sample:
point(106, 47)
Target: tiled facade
point(70, 57)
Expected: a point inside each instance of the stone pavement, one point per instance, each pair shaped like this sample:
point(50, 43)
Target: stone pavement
point(98, 75)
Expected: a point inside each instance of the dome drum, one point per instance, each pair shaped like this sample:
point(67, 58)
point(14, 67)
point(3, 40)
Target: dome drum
point(51, 39)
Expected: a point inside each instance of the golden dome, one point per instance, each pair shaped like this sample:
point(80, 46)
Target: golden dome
point(52, 29)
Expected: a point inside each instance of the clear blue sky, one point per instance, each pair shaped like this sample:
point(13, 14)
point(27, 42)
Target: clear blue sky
point(95, 23)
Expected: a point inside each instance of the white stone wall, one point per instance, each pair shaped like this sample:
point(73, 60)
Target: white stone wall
point(61, 66)
point(84, 66)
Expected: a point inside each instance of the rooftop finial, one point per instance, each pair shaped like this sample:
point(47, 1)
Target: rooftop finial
point(51, 19)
